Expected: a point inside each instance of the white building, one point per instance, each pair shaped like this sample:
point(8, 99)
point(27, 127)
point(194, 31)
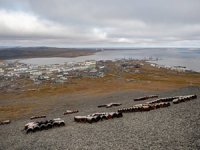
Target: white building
point(1, 70)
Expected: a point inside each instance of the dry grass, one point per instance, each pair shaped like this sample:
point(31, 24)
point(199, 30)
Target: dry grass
point(15, 110)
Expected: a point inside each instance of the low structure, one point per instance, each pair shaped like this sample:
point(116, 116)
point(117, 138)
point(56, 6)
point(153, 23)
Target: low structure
point(145, 97)
point(5, 122)
point(184, 99)
point(97, 117)
point(170, 99)
point(70, 112)
point(36, 117)
point(165, 99)
point(144, 107)
point(42, 125)
point(110, 105)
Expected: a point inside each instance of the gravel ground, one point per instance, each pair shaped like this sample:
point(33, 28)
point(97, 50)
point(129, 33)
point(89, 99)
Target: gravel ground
point(174, 127)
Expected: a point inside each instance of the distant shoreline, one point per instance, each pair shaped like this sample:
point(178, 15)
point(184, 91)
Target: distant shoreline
point(40, 52)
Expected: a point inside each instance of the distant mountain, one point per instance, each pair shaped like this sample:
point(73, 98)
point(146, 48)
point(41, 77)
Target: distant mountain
point(35, 52)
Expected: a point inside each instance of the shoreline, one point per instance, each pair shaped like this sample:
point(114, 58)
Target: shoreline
point(41, 52)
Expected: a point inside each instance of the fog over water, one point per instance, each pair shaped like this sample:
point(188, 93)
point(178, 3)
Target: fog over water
point(189, 58)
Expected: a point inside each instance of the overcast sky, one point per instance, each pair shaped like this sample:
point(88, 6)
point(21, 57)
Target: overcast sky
point(102, 23)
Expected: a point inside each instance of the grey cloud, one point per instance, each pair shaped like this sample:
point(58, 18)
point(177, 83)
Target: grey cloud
point(94, 22)
point(149, 11)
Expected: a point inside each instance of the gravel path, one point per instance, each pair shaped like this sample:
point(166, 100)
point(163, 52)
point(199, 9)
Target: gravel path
point(174, 127)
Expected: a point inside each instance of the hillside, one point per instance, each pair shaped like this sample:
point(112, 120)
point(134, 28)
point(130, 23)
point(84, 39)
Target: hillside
point(35, 52)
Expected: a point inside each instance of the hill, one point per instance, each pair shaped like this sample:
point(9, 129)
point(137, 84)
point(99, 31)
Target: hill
point(35, 52)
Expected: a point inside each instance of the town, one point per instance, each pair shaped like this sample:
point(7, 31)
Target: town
point(55, 74)
point(15, 76)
